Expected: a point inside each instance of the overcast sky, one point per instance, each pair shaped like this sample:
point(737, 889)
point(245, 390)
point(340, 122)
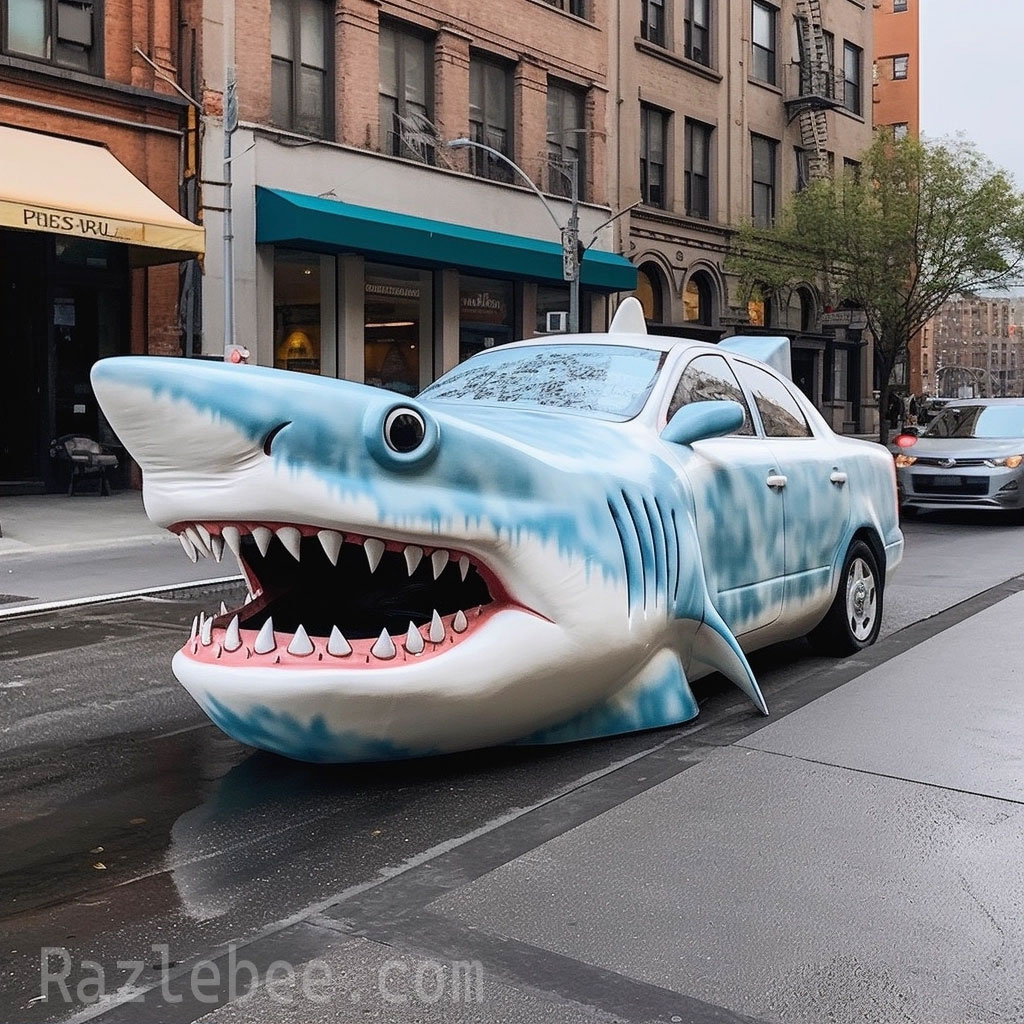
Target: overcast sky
point(972, 76)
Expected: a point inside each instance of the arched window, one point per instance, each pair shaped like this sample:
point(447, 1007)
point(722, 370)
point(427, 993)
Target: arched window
point(807, 309)
point(649, 292)
point(697, 301)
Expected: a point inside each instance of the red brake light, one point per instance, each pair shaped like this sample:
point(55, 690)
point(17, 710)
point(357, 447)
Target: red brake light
point(906, 440)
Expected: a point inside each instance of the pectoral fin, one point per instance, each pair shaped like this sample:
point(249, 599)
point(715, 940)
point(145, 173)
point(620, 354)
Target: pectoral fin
point(716, 647)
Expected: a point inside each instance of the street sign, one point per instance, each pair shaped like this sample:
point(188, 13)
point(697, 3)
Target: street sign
point(569, 265)
point(855, 319)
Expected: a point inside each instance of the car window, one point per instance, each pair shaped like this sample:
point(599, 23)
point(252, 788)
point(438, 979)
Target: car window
point(978, 421)
point(780, 411)
point(710, 379)
point(607, 381)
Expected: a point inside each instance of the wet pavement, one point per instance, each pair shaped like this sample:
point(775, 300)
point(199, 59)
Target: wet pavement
point(852, 858)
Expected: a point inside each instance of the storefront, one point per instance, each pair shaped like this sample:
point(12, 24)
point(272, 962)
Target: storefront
point(68, 245)
point(394, 300)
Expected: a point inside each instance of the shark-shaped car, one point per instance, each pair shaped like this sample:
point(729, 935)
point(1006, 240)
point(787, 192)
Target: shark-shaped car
point(548, 544)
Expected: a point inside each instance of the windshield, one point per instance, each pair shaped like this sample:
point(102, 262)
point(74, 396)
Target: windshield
point(977, 421)
point(607, 381)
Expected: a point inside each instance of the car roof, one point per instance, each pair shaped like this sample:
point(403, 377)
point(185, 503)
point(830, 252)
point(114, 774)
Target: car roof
point(982, 401)
point(657, 343)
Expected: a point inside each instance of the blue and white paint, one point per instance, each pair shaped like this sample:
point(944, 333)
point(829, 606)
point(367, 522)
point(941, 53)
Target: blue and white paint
point(518, 554)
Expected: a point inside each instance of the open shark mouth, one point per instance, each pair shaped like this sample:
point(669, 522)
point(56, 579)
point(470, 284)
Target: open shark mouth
point(320, 596)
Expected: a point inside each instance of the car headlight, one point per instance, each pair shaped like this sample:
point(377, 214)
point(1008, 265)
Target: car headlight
point(1010, 462)
point(902, 461)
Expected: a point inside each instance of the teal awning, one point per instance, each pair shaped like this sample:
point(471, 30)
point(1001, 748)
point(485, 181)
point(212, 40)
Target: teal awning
point(327, 225)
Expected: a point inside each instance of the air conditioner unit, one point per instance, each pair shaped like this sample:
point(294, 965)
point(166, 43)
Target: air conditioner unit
point(558, 322)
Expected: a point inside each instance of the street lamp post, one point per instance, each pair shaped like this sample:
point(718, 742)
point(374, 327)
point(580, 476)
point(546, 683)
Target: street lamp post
point(569, 232)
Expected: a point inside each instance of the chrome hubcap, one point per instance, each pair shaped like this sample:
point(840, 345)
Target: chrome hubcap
point(861, 599)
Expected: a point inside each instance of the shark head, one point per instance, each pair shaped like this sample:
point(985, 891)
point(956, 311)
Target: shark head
point(422, 577)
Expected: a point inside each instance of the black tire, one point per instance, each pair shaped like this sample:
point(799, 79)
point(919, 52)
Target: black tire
point(855, 617)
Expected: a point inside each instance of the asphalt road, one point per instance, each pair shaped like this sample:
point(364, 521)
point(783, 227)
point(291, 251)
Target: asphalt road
point(128, 822)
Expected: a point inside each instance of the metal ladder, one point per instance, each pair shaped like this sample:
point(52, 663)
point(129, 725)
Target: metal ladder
point(813, 123)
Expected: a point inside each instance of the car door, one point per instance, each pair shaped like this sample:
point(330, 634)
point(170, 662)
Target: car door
point(816, 495)
point(739, 511)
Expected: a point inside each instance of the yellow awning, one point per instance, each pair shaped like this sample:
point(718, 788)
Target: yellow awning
point(75, 188)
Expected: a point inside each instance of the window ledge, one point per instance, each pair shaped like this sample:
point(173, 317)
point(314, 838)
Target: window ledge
point(765, 85)
point(679, 220)
point(670, 57)
point(565, 14)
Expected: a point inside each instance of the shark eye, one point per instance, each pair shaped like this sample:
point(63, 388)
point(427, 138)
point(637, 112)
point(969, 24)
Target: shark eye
point(404, 430)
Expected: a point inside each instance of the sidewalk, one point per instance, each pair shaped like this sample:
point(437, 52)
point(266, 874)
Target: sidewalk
point(51, 522)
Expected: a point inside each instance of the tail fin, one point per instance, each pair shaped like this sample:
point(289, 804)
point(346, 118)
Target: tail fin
point(717, 648)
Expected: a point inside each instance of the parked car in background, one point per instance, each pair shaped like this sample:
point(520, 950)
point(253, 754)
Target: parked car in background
point(929, 408)
point(969, 456)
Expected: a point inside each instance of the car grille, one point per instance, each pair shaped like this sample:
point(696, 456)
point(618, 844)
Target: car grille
point(949, 483)
point(925, 461)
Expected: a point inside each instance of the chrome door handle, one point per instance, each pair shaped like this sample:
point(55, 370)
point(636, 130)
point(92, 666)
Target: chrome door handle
point(776, 480)
point(838, 477)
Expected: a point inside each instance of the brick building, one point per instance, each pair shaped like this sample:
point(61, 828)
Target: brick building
point(732, 106)
point(896, 78)
point(95, 160)
point(363, 245)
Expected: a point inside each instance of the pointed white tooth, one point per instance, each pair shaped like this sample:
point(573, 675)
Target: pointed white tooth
point(232, 536)
point(206, 632)
point(413, 556)
point(265, 641)
point(337, 644)
point(331, 541)
point(188, 547)
point(463, 566)
point(459, 623)
point(414, 640)
point(217, 547)
point(232, 638)
point(223, 608)
point(197, 542)
point(262, 535)
point(204, 534)
point(291, 539)
point(439, 559)
point(195, 628)
point(374, 549)
point(384, 648)
point(248, 599)
point(436, 634)
point(301, 644)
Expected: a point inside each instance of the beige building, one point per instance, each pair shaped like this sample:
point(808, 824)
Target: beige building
point(364, 246)
point(730, 107)
point(974, 348)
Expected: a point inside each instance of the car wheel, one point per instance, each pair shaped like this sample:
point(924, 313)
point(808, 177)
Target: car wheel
point(855, 617)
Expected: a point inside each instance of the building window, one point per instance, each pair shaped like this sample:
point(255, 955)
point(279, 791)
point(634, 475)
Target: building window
point(900, 130)
point(763, 41)
point(853, 57)
point(66, 33)
point(652, 21)
point(486, 314)
point(297, 295)
point(900, 66)
point(650, 292)
point(697, 300)
point(299, 35)
point(569, 6)
point(398, 343)
point(406, 102)
point(763, 180)
point(698, 169)
point(490, 117)
point(697, 26)
point(566, 138)
point(653, 135)
point(803, 168)
point(899, 5)
point(851, 168)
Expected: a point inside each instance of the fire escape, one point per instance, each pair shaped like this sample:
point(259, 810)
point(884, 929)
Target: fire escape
point(817, 88)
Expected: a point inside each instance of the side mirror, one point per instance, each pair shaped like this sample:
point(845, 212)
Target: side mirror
point(700, 420)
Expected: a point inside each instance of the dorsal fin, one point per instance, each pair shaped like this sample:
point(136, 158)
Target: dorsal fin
point(629, 318)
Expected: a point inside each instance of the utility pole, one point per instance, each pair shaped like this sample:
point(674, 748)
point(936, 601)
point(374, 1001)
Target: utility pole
point(230, 124)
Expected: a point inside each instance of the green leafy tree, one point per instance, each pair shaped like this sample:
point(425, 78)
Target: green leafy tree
point(918, 223)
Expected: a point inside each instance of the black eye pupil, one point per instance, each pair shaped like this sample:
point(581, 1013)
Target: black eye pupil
point(405, 432)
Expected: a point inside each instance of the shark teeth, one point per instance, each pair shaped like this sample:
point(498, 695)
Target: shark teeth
point(291, 538)
point(301, 645)
point(414, 640)
point(438, 560)
point(384, 648)
point(232, 636)
point(374, 549)
point(263, 535)
point(265, 640)
point(338, 645)
point(331, 541)
point(188, 547)
point(413, 557)
point(436, 632)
